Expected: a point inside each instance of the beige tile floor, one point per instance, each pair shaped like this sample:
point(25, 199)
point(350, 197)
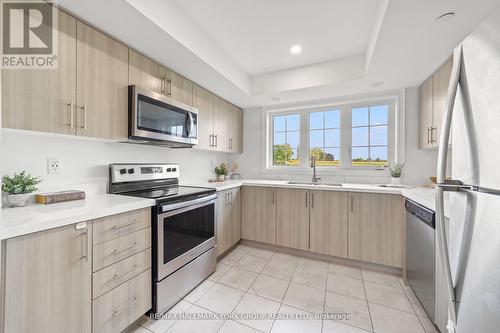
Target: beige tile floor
point(259, 281)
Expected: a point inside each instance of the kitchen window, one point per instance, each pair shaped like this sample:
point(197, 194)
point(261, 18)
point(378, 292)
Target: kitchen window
point(356, 136)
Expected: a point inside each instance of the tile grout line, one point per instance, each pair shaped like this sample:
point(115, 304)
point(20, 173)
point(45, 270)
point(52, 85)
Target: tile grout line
point(412, 306)
point(367, 304)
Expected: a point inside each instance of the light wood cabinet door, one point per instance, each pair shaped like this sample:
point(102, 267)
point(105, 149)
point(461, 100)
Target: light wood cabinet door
point(180, 88)
point(221, 124)
point(376, 228)
point(440, 81)
point(146, 73)
point(258, 214)
point(222, 222)
point(328, 223)
point(425, 115)
point(44, 100)
point(48, 278)
point(204, 101)
point(102, 81)
point(236, 129)
point(234, 231)
point(292, 227)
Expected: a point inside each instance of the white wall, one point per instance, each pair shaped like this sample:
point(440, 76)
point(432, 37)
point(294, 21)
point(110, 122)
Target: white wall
point(419, 164)
point(85, 161)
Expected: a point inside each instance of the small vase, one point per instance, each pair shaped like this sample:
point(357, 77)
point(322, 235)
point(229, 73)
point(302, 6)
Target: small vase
point(396, 180)
point(220, 178)
point(18, 200)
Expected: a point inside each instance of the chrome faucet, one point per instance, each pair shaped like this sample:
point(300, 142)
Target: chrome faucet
point(315, 179)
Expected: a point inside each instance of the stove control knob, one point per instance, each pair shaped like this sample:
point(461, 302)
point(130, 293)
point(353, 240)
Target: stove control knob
point(123, 171)
point(130, 170)
point(174, 169)
point(169, 170)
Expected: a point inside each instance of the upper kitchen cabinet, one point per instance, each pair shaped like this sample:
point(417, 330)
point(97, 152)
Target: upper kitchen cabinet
point(204, 101)
point(44, 100)
point(102, 80)
point(236, 129)
point(146, 73)
point(376, 228)
point(221, 125)
point(179, 88)
point(432, 100)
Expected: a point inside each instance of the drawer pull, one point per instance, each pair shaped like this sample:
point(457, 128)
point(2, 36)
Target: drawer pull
point(117, 312)
point(119, 226)
point(134, 244)
point(119, 275)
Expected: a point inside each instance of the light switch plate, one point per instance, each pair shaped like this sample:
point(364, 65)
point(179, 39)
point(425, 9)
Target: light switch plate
point(54, 165)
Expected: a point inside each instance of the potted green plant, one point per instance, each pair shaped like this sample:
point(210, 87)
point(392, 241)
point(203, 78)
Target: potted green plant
point(19, 188)
point(396, 171)
point(221, 172)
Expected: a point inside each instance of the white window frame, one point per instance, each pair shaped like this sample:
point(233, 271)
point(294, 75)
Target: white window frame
point(395, 100)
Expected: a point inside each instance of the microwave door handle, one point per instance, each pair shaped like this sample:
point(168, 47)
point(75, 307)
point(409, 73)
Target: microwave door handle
point(190, 126)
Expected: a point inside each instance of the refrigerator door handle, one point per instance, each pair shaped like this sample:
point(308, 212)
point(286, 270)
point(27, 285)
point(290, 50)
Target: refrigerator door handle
point(442, 241)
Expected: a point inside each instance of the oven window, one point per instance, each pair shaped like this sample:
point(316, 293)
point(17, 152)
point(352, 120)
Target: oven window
point(155, 116)
point(183, 232)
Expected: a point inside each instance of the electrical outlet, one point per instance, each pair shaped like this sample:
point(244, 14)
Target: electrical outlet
point(54, 165)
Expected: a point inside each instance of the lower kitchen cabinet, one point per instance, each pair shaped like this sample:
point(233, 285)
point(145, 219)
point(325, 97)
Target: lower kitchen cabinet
point(47, 281)
point(228, 219)
point(376, 228)
point(292, 226)
point(258, 216)
point(328, 223)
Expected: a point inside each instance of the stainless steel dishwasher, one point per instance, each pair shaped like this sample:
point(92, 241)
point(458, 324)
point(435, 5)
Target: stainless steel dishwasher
point(420, 247)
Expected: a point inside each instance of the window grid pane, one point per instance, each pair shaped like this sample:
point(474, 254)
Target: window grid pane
point(286, 140)
point(364, 153)
point(324, 137)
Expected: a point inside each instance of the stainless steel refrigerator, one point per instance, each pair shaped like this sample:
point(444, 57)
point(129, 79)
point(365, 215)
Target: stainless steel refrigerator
point(470, 250)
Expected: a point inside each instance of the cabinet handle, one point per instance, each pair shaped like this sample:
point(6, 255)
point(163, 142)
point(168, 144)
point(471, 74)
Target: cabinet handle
point(216, 141)
point(231, 196)
point(312, 199)
point(169, 92)
point(117, 312)
point(274, 197)
point(352, 204)
point(210, 140)
point(119, 226)
point(307, 199)
point(119, 275)
point(71, 116)
point(428, 135)
point(85, 235)
point(432, 134)
point(134, 244)
point(227, 199)
point(84, 108)
point(163, 85)
point(230, 143)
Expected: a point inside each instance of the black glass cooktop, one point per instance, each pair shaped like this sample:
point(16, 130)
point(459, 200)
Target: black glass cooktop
point(172, 193)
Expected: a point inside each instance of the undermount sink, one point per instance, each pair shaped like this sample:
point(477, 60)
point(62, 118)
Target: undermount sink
point(312, 183)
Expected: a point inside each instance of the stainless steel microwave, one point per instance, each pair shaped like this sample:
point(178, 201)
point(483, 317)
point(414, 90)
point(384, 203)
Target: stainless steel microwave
point(158, 119)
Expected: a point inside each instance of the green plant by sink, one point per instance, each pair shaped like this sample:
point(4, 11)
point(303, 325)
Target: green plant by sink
point(221, 171)
point(396, 171)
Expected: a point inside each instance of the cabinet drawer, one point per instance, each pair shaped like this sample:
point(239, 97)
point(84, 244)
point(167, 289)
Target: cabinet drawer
point(114, 311)
point(114, 275)
point(112, 251)
point(114, 226)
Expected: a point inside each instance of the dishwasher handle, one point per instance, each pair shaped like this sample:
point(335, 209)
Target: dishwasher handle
point(422, 213)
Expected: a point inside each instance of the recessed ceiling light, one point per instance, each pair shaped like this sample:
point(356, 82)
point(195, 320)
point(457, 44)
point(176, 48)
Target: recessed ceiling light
point(296, 49)
point(445, 17)
point(376, 84)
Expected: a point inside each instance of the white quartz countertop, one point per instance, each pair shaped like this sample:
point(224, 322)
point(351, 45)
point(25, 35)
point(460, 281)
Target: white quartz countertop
point(371, 188)
point(25, 220)
point(424, 196)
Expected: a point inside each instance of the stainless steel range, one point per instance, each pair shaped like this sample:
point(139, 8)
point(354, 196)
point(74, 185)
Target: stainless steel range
point(183, 227)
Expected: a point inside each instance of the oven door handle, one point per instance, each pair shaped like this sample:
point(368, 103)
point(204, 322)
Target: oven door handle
point(186, 204)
